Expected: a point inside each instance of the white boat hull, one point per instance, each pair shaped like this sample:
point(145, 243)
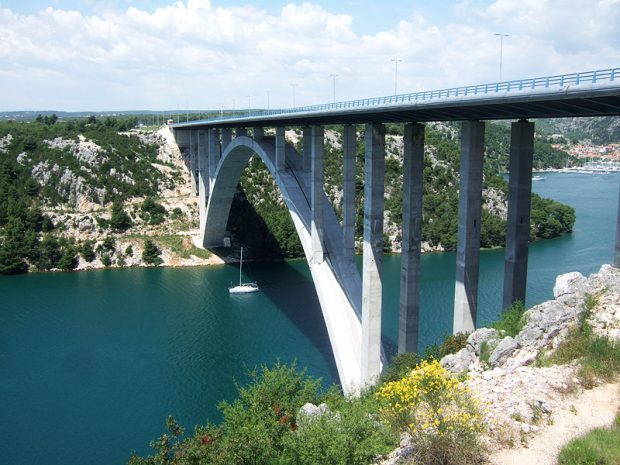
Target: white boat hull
point(243, 289)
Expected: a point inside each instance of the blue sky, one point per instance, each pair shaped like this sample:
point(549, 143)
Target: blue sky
point(198, 54)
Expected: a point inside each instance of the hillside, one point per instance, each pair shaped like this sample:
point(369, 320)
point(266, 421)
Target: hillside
point(259, 205)
point(95, 192)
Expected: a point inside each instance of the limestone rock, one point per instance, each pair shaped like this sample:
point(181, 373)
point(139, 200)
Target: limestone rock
point(459, 362)
point(503, 350)
point(475, 339)
point(566, 283)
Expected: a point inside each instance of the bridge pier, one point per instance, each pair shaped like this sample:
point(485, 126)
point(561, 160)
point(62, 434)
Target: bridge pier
point(316, 192)
point(280, 149)
point(203, 179)
point(617, 254)
point(214, 155)
point(307, 151)
point(519, 202)
point(258, 133)
point(192, 162)
point(413, 179)
point(348, 196)
point(226, 137)
point(468, 241)
point(374, 186)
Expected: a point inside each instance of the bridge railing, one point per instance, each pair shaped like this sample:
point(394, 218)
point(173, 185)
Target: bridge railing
point(549, 82)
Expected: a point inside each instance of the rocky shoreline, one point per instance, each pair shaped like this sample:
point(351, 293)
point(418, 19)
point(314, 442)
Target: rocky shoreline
point(523, 400)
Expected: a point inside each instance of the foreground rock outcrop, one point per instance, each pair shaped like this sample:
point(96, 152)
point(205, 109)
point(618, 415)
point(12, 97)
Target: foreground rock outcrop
point(522, 400)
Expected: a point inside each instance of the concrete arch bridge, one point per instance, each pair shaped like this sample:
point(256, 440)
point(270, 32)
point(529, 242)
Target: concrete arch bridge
point(350, 303)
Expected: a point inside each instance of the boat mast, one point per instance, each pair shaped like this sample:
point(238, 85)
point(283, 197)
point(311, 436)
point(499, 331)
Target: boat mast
point(240, 266)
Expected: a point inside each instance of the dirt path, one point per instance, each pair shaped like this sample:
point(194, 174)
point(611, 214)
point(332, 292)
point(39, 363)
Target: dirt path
point(592, 409)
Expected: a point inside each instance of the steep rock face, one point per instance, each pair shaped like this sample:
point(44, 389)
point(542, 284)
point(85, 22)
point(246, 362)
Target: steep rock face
point(547, 324)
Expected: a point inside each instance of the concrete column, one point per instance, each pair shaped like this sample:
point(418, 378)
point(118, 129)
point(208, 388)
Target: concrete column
point(413, 179)
point(316, 193)
point(470, 209)
point(203, 178)
point(307, 153)
point(241, 132)
point(192, 162)
point(258, 134)
point(374, 170)
point(519, 201)
point(617, 255)
point(214, 155)
point(226, 137)
point(348, 197)
point(281, 150)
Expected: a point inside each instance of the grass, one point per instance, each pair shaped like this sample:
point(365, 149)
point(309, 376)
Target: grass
point(512, 319)
point(175, 243)
point(600, 446)
point(598, 356)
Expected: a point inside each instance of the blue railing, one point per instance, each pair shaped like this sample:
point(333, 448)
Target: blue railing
point(559, 81)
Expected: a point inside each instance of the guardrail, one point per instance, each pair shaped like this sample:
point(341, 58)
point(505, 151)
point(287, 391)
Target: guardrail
point(562, 80)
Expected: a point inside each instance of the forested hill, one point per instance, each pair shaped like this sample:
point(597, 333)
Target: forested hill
point(94, 192)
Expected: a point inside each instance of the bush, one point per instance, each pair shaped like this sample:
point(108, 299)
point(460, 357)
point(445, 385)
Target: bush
point(400, 366)
point(153, 212)
point(261, 427)
point(512, 319)
point(151, 252)
point(119, 219)
point(439, 413)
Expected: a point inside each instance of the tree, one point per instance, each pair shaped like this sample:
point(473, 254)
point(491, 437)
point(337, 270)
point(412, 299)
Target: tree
point(151, 252)
point(69, 259)
point(119, 220)
point(153, 212)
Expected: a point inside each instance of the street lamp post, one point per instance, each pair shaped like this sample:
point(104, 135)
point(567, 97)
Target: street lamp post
point(293, 86)
point(396, 61)
point(501, 50)
point(334, 86)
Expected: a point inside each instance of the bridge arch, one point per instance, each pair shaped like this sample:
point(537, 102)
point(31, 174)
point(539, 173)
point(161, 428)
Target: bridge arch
point(336, 279)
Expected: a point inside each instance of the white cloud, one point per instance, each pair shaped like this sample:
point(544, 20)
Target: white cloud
point(197, 54)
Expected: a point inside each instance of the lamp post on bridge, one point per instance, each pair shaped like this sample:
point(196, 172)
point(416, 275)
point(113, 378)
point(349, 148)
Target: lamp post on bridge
point(249, 104)
point(396, 61)
point(501, 50)
point(293, 86)
point(334, 76)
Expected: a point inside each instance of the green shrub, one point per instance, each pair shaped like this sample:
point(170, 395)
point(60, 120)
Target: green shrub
point(512, 319)
point(151, 253)
point(153, 212)
point(452, 343)
point(261, 427)
point(443, 419)
point(400, 365)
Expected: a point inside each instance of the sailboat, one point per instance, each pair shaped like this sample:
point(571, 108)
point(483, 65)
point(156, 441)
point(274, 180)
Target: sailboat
point(243, 288)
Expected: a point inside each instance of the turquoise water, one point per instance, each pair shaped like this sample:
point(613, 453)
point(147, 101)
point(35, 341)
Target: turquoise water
point(92, 363)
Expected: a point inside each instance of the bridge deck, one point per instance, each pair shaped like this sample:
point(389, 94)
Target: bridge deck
point(592, 93)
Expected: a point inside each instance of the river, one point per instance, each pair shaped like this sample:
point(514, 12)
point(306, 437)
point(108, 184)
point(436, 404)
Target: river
point(91, 363)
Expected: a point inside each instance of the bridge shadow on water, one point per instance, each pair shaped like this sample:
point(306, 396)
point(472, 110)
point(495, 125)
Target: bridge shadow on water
point(289, 288)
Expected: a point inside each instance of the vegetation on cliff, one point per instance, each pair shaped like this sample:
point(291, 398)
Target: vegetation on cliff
point(258, 206)
point(66, 186)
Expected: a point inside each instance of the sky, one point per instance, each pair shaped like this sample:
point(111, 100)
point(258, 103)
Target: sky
point(113, 55)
